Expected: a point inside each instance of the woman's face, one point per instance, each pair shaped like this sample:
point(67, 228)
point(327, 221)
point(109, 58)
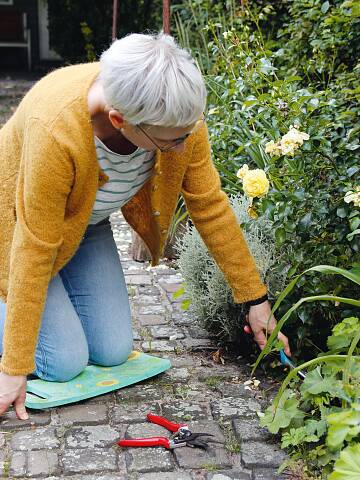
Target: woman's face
point(152, 137)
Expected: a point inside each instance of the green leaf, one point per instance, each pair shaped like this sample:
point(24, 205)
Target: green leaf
point(347, 467)
point(285, 412)
point(299, 194)
point(296, 436)
point(353, 274)
point(344, 425)
point(248, 103)
point(179, 293)
point(352, 170)
point(343, 333)
point(341, 212)
point(293, 78)
point(352, 234)
point(325, 7)
point(316, 384)
point(316, 426)
point(352, 146)
point(280, 235)
point(304, 222)
point(354, 223)
point(185, 305)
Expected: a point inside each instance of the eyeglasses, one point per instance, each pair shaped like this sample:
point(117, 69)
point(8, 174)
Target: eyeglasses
point(178, 141)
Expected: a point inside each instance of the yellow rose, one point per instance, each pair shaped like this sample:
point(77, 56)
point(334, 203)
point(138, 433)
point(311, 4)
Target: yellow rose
point(292, 140)
point(288, 146)
point(255, 183)
point(273, 148)
point(296, 135)
point(242, 171)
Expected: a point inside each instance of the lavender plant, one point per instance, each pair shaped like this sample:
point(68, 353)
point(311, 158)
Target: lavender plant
point(206, 288)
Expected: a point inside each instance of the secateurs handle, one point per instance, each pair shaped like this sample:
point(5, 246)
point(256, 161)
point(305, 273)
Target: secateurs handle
point(145, 442)
point(285, 360)
point(172, 427)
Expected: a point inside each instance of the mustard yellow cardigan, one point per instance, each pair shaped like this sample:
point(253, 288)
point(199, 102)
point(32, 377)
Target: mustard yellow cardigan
point(49, 175)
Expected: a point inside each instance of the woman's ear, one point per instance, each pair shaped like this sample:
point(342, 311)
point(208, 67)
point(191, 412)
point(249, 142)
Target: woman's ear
point(116, 119)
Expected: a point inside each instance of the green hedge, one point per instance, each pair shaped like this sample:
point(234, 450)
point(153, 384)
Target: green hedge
point(261, 80)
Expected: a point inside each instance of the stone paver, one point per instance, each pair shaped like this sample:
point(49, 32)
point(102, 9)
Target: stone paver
point(259, 454)
point(89, 460)
point(184, 410)
point(141, 392)
point(249, 429)
point(9, 421)
point(268, 474)
point(40, 438)
point(228, 408)
point(148, 320)
point(88, 414)
point(138, 279)
point(139, 460)
point(130, 413)
point(18, 464)
point(153, 346)
point(229, 475)
point(99, 436)
point(79, 441)
point(42, 463)
point(166, 476)
point(3, 463)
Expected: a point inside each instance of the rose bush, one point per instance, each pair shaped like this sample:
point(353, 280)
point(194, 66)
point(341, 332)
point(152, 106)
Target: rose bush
point(255, 107)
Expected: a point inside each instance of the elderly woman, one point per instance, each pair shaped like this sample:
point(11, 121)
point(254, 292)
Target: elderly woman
point(85, 141)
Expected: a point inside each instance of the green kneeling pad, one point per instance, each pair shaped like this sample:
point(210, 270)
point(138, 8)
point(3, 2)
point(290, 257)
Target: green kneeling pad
point(93, 381)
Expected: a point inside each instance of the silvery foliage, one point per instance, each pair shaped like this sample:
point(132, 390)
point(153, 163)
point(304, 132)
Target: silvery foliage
point(210, 296)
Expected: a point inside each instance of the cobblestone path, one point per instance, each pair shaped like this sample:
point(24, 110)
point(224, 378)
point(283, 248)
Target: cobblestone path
point(77, 441)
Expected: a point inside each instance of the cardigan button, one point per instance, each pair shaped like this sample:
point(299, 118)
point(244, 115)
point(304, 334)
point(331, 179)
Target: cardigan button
point(155, 187)
point(156, 213)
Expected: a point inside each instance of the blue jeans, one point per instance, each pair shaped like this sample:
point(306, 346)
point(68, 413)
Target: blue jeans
point(87, 317)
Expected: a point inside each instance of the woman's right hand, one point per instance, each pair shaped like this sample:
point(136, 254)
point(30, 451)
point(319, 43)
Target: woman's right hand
point(13, 391)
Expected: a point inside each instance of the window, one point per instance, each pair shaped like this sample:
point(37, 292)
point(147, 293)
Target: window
point(6, 2)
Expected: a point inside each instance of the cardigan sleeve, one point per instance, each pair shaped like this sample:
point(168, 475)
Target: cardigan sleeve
point(212, 215)
point(44, 183)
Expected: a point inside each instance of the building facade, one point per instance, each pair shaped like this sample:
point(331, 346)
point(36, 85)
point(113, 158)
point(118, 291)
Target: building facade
point(24, 34)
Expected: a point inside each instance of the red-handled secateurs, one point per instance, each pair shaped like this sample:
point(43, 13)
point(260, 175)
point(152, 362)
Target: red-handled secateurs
point(181, 437)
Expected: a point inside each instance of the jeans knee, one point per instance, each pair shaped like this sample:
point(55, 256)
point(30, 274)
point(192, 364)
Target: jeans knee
point(69, 372)
point(64, 367)
point(115, 356)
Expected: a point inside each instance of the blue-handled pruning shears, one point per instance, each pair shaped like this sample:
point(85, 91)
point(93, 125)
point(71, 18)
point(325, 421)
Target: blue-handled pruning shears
point(285, 360)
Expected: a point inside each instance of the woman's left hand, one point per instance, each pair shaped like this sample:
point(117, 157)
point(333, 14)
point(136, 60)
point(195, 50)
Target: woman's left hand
point(258, 317)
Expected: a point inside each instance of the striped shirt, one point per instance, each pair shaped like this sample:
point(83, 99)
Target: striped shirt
point(127, 174)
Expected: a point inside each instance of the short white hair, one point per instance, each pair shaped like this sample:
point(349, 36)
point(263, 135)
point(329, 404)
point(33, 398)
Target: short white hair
point(152, 81)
